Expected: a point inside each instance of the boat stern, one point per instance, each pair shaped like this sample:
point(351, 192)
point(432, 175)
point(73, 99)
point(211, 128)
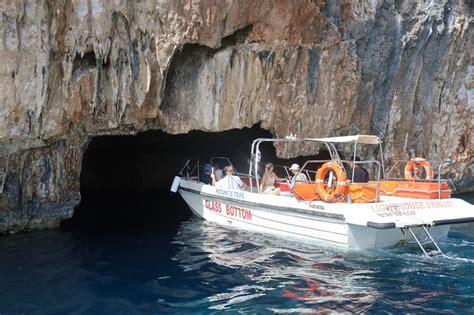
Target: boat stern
point(386, 223)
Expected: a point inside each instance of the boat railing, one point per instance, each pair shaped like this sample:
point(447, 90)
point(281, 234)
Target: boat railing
point(220, 160)
point(190, 169)
point(345, 164)
point(279, 169)
point(306, 165)
point(223, 160)
point(396, 172)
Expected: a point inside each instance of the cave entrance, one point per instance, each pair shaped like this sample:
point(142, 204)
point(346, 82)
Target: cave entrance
point(125, 180)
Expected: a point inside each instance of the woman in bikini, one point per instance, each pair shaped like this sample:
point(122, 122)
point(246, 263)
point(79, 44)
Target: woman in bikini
point(267, 185)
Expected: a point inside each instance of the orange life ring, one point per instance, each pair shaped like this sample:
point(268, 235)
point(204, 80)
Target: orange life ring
point(328, 193)
point(415, 164)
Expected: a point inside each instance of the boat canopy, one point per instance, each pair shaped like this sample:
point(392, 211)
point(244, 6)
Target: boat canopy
point(361, 139)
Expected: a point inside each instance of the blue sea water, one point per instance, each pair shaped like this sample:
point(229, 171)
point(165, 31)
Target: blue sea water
point(195, 267)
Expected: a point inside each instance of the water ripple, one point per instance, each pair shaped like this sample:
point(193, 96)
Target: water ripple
point(308, 278)
point(200, 267)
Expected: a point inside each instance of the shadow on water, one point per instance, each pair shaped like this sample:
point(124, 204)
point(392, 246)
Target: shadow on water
point(133, 211)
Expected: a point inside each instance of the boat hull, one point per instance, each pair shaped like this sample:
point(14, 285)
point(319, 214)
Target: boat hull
point(235, 214)
point(337, 225)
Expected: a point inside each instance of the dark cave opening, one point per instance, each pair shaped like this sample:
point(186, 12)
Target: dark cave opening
point(125, 180)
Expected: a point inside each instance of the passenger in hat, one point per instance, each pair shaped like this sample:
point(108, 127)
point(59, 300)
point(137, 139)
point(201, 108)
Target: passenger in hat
point(205, 174)
point(297, 175)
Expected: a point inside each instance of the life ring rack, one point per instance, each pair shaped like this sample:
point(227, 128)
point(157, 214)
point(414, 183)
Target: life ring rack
point(414, 164)
point(331, 193)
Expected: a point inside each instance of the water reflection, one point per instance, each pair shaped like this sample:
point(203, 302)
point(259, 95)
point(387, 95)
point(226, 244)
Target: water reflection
point(194, 267)
point(301, 276)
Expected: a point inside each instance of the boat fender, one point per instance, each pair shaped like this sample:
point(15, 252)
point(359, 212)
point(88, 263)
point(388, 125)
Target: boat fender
point(331, 193)
point(175, 184)
point(415, 164)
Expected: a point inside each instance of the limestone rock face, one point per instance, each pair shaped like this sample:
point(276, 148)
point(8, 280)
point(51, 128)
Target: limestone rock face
point(74, 69)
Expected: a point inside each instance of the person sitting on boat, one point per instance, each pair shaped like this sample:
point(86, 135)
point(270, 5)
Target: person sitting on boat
point(267, 184)
point(229, 181)
point(361, 175)
point(297, 175)
point(218, 172)
point(205, 175)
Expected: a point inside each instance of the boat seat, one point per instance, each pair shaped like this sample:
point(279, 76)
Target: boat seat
point(306, 191)
point(415, 189)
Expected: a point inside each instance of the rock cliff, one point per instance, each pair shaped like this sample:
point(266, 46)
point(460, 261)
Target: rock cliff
point(74, 69)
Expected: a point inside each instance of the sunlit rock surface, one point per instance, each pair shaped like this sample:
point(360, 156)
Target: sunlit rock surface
point(70, 70)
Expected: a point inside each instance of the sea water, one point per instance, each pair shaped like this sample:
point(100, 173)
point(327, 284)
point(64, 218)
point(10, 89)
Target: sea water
point(190, 266)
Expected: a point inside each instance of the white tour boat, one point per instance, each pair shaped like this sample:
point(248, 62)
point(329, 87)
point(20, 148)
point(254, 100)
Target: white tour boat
point(331, 210)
